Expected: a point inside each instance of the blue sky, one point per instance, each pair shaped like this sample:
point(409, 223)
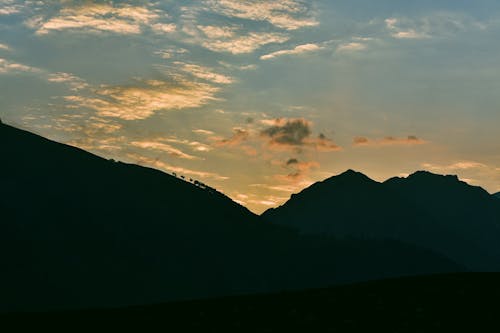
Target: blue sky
point(261, 98)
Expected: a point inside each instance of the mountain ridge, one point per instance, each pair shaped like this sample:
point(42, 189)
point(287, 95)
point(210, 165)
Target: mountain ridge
point(77, 230)
point(439, 212)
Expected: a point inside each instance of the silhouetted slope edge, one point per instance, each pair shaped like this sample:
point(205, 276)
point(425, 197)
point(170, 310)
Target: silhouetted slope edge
point(437, 212)
point(497, 195)
point(437, 303)
point(81, 231)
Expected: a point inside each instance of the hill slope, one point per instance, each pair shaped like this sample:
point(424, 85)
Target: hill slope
point(497, 195)
point(441, 303)
point(77, 230)
point(433, 211)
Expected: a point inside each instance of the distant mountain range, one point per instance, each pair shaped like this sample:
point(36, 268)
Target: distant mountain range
point(437, 212)
point(78, 230)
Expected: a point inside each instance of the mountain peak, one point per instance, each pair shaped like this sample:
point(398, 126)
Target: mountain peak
point(350, 175)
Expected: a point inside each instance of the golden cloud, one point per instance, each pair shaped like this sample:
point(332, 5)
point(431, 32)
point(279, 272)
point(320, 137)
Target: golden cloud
point(300, 49)
point(97, 18)
point(285, 14)
point(142, 101)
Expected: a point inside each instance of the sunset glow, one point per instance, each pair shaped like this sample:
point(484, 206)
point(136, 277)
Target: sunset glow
point(258, 98)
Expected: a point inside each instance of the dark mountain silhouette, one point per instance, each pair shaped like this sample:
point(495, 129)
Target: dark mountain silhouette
point(438, 303)
point(497, 195)
point(78, 230)
point(437, 212)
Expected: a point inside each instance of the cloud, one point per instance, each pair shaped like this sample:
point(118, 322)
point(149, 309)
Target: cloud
point(288, 132)
point(160, 28)
point(141, 101)
point(203, 132)
point(351, 47)
point(98, 18)
point(285, 14)
point(171, 52)
point(300, 49)
point(215, 32)
point(156, 163)
point(158, 146)
point(393, 24)
point(297, 169)
point(244, 43)
point(323, 144)
point(294, 134)
point(204, 73)
point(4, 47)
point(461, 165)
point(388, 141)
point(9, 7)
point(9, 67)
point(73, 81)
point(239, 135)
point(194, 145)
point(238, 67)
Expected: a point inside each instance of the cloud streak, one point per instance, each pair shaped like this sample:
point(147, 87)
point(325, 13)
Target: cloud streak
point(204, 73)
point(162, 147)
point(410, 140)
point(300, 49)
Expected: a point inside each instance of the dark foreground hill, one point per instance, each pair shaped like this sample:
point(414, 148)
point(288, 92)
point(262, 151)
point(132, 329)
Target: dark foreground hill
point(497, 195)
point(440, 303)
point(433, 211)
point(77, 230)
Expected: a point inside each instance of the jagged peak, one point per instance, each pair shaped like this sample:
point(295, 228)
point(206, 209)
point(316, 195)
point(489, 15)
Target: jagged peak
point(428, 174)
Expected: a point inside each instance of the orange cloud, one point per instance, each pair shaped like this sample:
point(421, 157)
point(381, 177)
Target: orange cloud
point(239, 135)
point(388, 141)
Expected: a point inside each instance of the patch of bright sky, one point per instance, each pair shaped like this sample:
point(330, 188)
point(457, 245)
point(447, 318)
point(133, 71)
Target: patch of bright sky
point(385, 87)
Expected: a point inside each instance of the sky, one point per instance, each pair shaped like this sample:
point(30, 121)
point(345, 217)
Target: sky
point(259, 98)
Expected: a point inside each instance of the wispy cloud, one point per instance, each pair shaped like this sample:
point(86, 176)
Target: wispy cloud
point(142, 100)
point(96, 18)
point(216, 32)
point(203, 132)
point(171, 52)
point(73, 81)
point(9, 67)
point(9, 7)
point(164, 28)
point(156, 163)
point(285, 14)
point(460, 165)
point(300, 49)
point(351, 47)
point(4, 47)
point(239, 135)
point(204, 73)
point(246, 43)
point(388, 141)
point(393, 24)
point(298, 169)
point(194, 145)
point(159, 146)
point(238, 67)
